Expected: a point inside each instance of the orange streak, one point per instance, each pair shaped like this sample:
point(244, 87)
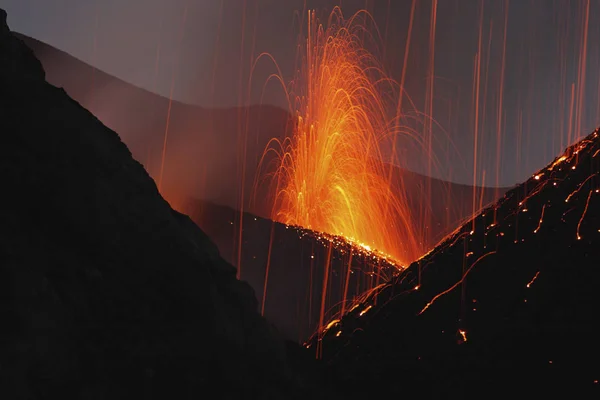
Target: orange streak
point(429, 113)
point(173, 75)
point(242, 162)
point(582, 69)
point(402, 82)
point(324, 293)
point(579, 188)
point(476, 127)
point(346, 283)
point(533, 279)
point(587, 203)
point(264, 298)
point(457, 283)
point(156, 69)
point(499, 115)
point(541, 219)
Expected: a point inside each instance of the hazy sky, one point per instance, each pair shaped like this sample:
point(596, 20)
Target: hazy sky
point(547, 95)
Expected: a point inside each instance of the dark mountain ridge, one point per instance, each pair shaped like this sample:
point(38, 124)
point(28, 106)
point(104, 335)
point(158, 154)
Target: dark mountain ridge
point(509, 301)
point(107, 292)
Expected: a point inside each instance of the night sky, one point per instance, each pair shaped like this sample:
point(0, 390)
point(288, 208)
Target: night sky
point(550, 96)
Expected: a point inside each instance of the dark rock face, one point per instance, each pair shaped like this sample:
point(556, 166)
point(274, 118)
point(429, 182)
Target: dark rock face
point(107, 292)
point(510, 301)
point(15, 57)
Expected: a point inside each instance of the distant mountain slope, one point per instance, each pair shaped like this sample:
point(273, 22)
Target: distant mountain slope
point(203, 146)
point(509, 301)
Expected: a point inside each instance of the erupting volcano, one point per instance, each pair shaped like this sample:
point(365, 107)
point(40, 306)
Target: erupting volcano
point(333, 249)
point(330, 176)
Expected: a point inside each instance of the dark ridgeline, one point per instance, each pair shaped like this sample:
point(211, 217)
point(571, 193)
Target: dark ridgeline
point(107, 292)
point(508, 302)
point(194, 161)
point(203, 144)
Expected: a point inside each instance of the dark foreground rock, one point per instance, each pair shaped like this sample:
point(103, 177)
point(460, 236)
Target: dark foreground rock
point(509, 302)
point(107, 292)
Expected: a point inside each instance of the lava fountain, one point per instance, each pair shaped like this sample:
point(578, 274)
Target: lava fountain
point(330, 175)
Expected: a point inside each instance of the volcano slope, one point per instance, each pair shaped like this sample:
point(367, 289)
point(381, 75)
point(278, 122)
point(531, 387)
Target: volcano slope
point(107, 292)
point(295, 263)
point(305, 271)
point(510, 300)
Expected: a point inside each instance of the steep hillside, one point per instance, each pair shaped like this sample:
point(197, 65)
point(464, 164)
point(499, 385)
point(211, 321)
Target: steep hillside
point(509, 301)
point(203, 146)
point(107, 292)
point(294, 264)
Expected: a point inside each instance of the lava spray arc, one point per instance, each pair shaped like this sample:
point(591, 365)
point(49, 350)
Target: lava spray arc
point(330, 175)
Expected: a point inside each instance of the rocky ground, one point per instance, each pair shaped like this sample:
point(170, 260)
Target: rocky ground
point(510, 301)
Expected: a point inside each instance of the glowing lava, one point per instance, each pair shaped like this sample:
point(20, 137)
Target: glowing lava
point(330, 175)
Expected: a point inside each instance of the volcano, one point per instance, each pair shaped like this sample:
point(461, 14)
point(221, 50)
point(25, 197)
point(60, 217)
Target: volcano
point(510, 300)
point(202, 158)
point(201, 180)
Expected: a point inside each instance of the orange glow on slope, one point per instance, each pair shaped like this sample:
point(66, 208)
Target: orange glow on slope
point(330, 175)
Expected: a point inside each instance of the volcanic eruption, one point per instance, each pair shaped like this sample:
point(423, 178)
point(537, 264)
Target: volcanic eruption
point(201, 164)
point(330, 175)
point(112, 293)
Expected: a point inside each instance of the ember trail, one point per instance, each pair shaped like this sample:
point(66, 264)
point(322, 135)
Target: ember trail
point(330, 175)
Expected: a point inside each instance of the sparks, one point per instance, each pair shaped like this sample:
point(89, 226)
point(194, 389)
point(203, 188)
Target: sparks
point(558, 161)
point(363, 312)
point(331, 324)
point(578, 188)
point(451, 288)
point(587, 203)
point(334, 159)
point(541, 219)
point(533, 279)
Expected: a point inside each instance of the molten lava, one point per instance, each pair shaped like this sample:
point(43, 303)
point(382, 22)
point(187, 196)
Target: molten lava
point(330, 175)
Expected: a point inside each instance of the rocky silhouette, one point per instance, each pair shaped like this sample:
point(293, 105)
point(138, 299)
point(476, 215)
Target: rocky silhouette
point(509, 301)
point(107, 292)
